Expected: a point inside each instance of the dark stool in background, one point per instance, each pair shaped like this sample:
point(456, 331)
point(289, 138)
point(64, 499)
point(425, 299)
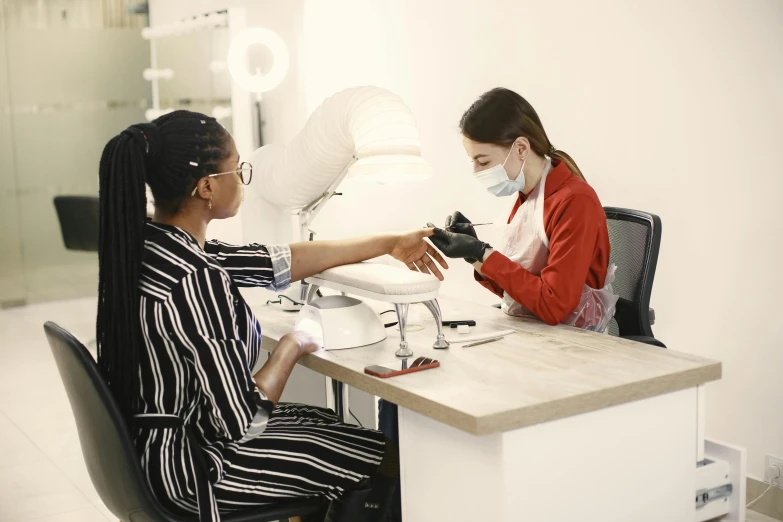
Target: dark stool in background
point(79, 217)
point(635, 238)
point(108, 449)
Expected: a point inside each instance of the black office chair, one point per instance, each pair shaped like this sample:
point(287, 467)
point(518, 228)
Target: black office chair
point(108, 450)
point(635, 238)
point(79, 217)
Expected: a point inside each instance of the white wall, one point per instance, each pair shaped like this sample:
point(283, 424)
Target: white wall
point(669, 107)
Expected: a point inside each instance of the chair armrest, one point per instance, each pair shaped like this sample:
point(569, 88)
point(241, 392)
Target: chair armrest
point(644, 339)
point(652, 316)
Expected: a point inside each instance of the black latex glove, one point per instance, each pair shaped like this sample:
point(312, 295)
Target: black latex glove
point(456, 245)
point(457, 222)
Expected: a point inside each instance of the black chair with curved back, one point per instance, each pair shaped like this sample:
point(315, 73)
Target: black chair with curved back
point(108, 450)
point(635, 239)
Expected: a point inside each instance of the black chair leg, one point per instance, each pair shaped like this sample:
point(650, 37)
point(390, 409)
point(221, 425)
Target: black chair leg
point(319, 516)
point(338, 390)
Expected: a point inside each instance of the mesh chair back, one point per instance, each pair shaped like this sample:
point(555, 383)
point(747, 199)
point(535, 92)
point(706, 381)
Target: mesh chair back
point(635, 239)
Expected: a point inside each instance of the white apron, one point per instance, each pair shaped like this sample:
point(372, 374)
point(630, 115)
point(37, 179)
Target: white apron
point(525, 242)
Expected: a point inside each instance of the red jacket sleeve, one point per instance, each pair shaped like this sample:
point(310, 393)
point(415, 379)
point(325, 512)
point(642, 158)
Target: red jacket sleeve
point(489, 284)
point(556, 292)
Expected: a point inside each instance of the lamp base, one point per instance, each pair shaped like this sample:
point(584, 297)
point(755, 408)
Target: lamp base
point(341, 322)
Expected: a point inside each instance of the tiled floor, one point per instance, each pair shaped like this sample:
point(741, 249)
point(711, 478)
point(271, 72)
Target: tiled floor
point(44, 283)
point(42, 475)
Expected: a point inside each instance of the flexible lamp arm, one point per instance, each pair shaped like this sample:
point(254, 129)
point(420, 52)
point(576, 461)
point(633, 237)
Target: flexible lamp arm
point(357, 131)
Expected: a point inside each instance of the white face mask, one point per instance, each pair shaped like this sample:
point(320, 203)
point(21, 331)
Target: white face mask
point(495, 179)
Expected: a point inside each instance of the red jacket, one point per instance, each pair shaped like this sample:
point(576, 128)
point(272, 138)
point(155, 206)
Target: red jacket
point(575, 224)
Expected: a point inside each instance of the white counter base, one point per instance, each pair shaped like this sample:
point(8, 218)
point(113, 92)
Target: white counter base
point(632, 462)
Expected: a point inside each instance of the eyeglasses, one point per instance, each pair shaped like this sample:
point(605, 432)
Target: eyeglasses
point(245, 171)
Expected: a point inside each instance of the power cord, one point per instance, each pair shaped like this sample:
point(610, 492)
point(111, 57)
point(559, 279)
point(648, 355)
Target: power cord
point(389, 325)
point(286, 297)
point(773, 473)
point(280, 301)
point(354, 418)
point(281, 297)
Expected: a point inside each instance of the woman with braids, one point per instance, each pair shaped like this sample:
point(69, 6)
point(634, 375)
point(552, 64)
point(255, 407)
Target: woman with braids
point(181, 350)
point(553, 262)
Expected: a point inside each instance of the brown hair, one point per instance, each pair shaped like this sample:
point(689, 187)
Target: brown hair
point(500, 116)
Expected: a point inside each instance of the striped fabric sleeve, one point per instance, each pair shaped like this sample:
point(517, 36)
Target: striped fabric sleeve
point(203, 322)
point(254, 264)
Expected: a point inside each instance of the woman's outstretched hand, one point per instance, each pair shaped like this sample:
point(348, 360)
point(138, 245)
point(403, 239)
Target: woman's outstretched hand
point(419, 255)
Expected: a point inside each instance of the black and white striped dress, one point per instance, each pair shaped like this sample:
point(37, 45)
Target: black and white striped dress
point(201, 342)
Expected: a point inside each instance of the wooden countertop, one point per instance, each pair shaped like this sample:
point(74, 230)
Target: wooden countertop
point(538, 374)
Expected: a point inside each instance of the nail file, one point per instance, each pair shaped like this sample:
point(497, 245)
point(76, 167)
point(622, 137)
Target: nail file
point(482, 337)
point(474, 224)
point(482, 342)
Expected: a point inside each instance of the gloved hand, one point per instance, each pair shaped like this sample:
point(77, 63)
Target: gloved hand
point(457, 222)
point(456, 245)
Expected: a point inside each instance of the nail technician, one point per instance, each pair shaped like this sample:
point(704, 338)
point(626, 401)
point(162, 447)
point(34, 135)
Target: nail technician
point(553, 259)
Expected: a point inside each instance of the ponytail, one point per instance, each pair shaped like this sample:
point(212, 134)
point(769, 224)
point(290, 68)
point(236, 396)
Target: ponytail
point(123, 203)
point(568, 160)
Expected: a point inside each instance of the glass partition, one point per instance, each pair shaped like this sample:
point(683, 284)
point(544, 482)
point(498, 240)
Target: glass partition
point(70, 79)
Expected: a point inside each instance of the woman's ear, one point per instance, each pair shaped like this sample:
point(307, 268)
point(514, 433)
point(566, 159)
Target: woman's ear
point(204, 188)
point(522, 147)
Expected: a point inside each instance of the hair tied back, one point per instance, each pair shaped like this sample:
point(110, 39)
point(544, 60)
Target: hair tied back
point(147, 136)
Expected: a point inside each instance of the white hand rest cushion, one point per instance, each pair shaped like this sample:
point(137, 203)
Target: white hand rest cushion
point(386, 283)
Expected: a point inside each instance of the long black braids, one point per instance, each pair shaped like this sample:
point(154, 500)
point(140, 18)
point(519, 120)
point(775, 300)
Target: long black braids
point(170, 155)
